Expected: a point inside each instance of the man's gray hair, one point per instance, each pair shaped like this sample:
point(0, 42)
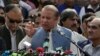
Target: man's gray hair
point(51, 7)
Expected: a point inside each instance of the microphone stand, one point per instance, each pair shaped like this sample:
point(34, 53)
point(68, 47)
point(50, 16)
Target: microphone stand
point(63, 34)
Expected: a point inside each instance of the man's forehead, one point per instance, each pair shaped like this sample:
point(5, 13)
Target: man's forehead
point(15, 15)
point(95, 21)
point(49, 12)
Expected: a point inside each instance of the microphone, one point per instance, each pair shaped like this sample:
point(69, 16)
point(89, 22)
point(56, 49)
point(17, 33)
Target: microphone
point(27, 44)
point(46, 44)
point(40, 50)
point(46, 40)
point(72, 41)
point(6, 53)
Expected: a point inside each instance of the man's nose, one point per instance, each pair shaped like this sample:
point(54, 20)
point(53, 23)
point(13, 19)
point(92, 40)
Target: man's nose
point(44, 19)
point(75, 21)
point(89, 30)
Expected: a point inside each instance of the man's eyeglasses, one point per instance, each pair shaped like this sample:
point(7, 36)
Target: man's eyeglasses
point(13, 21)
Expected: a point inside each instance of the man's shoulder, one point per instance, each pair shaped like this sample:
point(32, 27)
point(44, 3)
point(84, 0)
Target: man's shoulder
point(65, 29)
point(39, 31)
point(59, 28)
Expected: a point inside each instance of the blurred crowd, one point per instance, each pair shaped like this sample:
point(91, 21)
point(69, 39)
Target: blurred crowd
point(32, 21)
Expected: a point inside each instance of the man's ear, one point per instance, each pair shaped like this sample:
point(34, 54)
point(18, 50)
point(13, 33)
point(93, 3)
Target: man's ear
point(6, 16)
point(58, 19)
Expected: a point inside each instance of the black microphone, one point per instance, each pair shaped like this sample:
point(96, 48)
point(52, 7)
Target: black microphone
point(46, 44)
point(72, 41)
point(46, 40)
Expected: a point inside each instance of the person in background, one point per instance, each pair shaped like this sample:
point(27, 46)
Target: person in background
point(30, 3)
point(85, 20)
point(30, 26)
point(11, 32)
point(41, 4)
point(85, 33)
point(35, 17)
point(92, 7)
point(94, 35)
point(82, 2)
point(69, 4)
point(35, 2)
point(2, 15)
point(23, 3)
point(30, 30)
point(57, 2)
point(69, 19)
point(2, 11)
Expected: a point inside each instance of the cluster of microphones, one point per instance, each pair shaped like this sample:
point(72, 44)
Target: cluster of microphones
point(38, 52)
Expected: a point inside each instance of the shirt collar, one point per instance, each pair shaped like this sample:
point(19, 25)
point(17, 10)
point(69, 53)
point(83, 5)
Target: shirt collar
point(90, 7)
point(56, 28)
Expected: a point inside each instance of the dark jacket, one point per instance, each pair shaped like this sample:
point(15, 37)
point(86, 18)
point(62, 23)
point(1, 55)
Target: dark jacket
point(2, 44)
point(5, 34)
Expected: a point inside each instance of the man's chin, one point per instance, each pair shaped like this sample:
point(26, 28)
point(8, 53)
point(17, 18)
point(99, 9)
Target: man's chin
point(74, 29)
point(13, 30)
point(47, 29)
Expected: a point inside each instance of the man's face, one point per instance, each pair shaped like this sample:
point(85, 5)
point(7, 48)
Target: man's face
point(70, 3)
point(94, 2)
point(71, 23)
point(2, 13)
point(13, 19)
point(48, 20)
point(29, 28)
point(94, 30)
point(84, 25)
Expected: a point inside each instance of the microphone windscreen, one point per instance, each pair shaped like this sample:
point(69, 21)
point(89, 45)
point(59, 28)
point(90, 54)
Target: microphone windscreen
point(40, 49)
point(46, 40)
